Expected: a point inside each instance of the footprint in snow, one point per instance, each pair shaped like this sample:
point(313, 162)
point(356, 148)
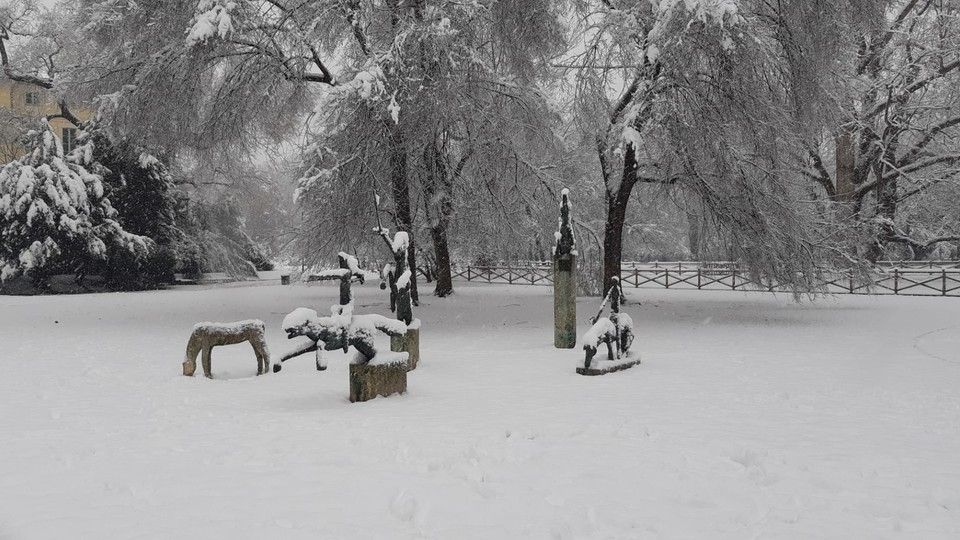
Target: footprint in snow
point(404, 507)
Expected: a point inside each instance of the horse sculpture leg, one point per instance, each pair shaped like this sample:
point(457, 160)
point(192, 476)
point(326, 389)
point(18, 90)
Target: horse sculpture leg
point(256, 352)
point(321, 361)
point(190, 358)
point(263, 354)
point(589, 353)
point(206, 362)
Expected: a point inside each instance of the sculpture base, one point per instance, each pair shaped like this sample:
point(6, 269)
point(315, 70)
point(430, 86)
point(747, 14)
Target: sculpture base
point(385, 375)
point(408, 343)
point(602, 367)
point(565, 302)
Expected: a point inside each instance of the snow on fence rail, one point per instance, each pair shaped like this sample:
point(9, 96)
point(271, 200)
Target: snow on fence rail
point(906, 279)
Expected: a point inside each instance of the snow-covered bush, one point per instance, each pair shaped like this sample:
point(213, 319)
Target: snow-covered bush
point(54, 213)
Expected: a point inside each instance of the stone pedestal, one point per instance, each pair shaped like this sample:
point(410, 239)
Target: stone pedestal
point(565, 301)
point(602, 367)
point(379, 377)
point(408, 343)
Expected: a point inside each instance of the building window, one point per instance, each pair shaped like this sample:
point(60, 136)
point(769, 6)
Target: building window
point(69, 139)
point(32, 98)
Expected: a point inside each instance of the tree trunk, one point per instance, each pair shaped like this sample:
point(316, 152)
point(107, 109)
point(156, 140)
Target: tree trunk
point(694, 234)
point(400, 185)
point(616, 215)
point(401, 199)
point(613, 234)
point(887, 209)
point(846, 166)
point(438, 187)
point(444, 275)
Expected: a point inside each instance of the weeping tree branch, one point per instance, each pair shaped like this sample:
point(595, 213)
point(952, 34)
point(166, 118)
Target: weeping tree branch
point(12, 73)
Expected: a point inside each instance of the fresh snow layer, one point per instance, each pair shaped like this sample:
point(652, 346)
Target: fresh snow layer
point(383, 358)
point(298, 317)
point(601, 328)
point(750, 417)
point(404, 280)
point(352, 263)
point(333, 273)
point(236, 326)
point(401, 241)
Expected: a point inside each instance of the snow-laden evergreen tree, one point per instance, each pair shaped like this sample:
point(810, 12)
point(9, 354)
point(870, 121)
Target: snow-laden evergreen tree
point(141, 188)
point(54, 213)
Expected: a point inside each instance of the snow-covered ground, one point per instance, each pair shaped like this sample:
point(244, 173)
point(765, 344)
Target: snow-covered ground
point(750, 417)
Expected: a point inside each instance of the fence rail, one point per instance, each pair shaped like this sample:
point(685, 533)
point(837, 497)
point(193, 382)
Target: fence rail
point(942, 279)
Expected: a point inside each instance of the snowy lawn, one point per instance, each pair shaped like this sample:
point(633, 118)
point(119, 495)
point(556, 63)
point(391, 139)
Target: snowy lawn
point(751, 416)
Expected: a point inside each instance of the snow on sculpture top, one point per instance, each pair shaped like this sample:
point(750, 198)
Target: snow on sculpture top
point(352, 263)
point(297, 318)
point(401, 242)
point(236, 326)
point(335, 273)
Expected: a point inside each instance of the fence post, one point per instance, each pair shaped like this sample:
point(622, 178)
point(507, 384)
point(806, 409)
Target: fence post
point(896, 281)
point(666, 278)
point(944, 275)
point(509, 275)
point(850, 280)
point(698, 277)
point(733, 280)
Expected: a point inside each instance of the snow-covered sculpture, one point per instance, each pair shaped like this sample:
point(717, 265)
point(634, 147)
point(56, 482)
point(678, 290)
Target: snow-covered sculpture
point(399, 275)
point(340, 330)
point(616, 331)
point(564, 280)
point(207, 335)
point(371, 374)
point(348, 272)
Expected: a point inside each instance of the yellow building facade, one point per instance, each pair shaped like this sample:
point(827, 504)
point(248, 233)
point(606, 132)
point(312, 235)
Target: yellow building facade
point(22, 105)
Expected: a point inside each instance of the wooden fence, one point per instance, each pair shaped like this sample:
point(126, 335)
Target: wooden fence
point(942, 278)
